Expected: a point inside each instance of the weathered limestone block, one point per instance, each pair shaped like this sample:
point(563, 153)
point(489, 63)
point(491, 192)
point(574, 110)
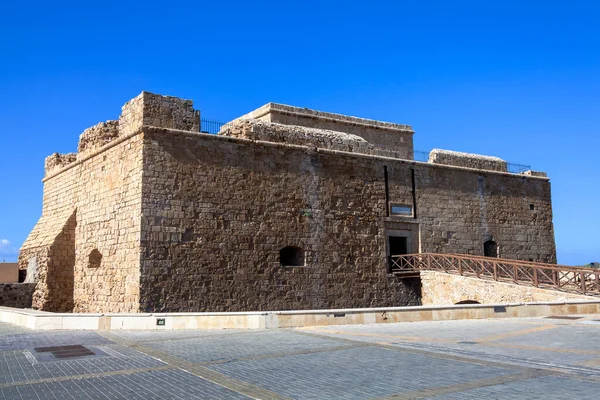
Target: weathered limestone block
point(97, 136)
point(149, 109)
point(255, 129)
point(56, 161)
point(386, 136)
point(476, 161)
point(535, 173)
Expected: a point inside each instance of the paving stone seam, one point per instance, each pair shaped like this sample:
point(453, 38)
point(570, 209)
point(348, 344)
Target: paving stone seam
point(86, 376)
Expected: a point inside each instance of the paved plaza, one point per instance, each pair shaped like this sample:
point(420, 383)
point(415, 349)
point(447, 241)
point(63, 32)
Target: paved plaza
point(525, 358)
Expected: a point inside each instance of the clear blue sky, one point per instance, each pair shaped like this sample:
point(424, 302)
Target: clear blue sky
point(515, 79)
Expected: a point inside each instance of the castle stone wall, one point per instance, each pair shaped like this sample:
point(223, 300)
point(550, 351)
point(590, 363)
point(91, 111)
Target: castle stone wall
point(468, 160)
point(93, 204)
point(460, 209)
point(150, 218)
point(218, 210)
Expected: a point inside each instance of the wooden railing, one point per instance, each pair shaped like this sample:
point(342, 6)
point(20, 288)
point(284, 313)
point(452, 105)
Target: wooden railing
point(548, 276)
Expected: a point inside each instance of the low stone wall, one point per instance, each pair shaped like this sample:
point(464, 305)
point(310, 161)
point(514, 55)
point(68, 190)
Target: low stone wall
point(18, 295)
point(468, 160)
point(255, 129)
point(439, 288)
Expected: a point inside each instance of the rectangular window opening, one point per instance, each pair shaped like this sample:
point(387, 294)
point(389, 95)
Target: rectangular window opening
point(402, 210)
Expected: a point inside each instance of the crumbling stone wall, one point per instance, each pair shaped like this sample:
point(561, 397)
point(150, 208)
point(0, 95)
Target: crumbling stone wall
point(477, 161)
point(57, 161)
point(440, 289)
point(255, 129)
point(149, 109)
point(18, 295)
point(383, 135)
point(97, 136)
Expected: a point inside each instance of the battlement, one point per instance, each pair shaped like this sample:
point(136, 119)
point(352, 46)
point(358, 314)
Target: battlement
point(149, 109)
point(97, 136)
point(146, 109)
point(273, 122)
point(57, 161)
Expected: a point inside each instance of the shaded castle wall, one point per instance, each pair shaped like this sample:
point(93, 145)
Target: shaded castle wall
point(16, 295)
point(217, 211)
point(460, 209)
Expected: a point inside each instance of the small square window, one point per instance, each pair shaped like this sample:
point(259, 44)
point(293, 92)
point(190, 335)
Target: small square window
point(401, 209)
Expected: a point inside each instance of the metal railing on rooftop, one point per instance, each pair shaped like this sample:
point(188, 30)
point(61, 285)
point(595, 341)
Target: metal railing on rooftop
point(423, 156)
point(213, 127)
point(210, 126)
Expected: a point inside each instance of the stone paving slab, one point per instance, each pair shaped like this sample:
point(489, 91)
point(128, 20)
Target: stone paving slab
point(543, 388)
point(353, 373)
point(20, 366)
point(159, 385)
point(231, 347)
point(33, 339)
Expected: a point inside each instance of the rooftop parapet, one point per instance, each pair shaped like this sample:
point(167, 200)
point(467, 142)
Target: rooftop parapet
point(149, 109)
point(468, 160)
point(97, 136)
point(384, 135)
point(255, 129)
point(57, 161)
point(534, 173)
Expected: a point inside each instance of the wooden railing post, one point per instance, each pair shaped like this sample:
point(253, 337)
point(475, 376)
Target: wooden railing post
point(515, 273)
point(535, 277)
point(582, 278)
point(495, 264)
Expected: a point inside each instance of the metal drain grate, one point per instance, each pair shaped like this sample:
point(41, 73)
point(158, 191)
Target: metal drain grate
point(71, 351)
point(563, 317)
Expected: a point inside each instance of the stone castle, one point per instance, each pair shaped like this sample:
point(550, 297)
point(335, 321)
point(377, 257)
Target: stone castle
point(284, 208)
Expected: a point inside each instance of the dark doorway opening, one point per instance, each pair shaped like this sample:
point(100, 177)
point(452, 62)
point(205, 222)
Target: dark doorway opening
point(490, 249)
point(398, 245)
